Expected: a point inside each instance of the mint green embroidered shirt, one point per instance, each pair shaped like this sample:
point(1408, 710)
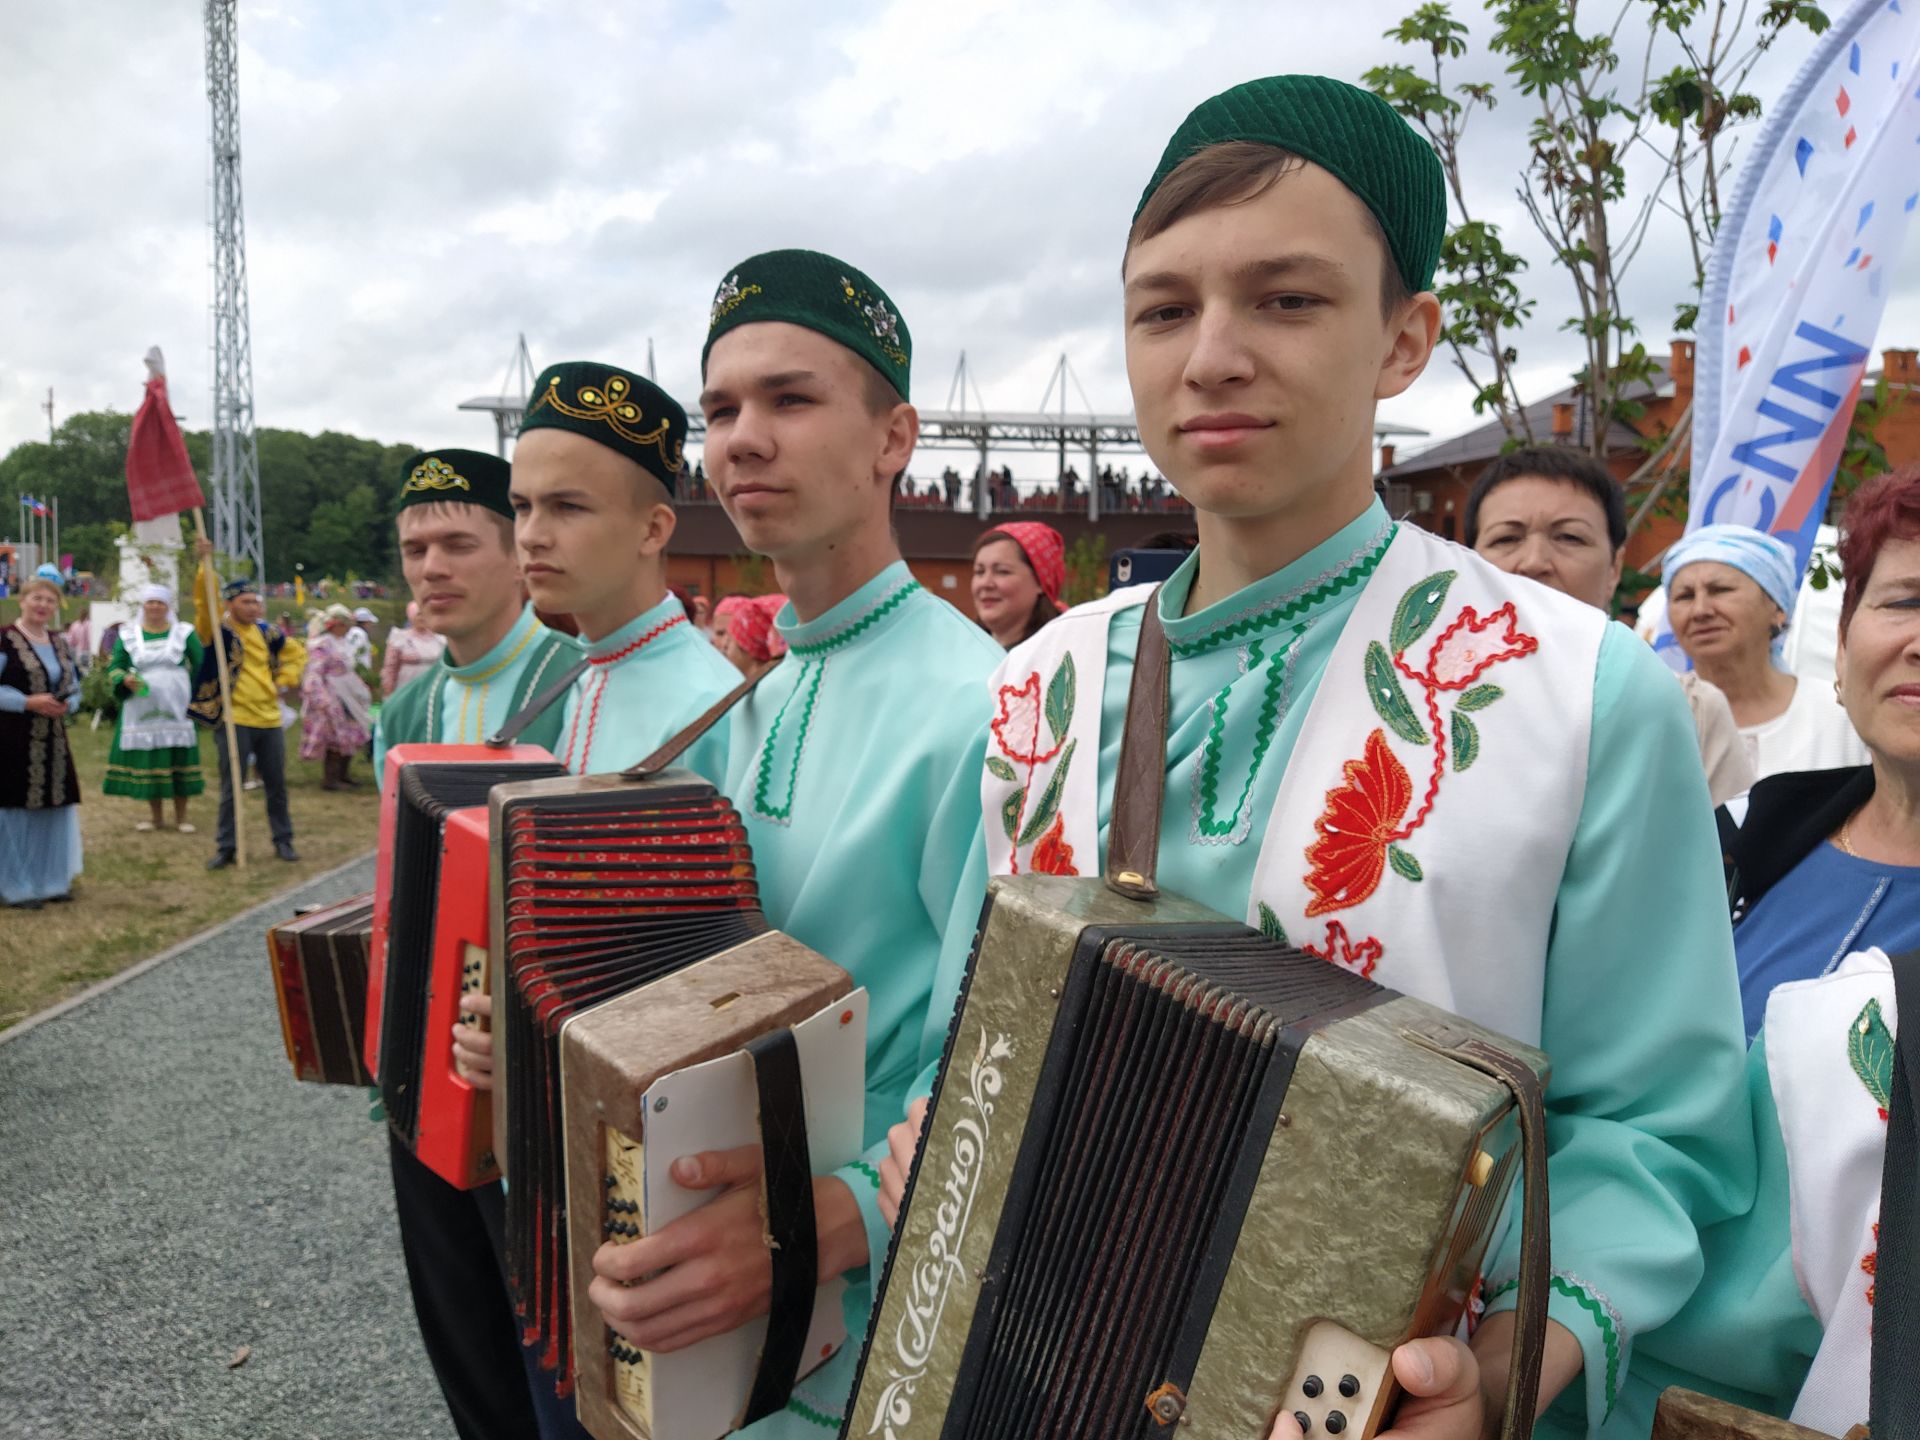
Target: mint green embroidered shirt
point(856, 763)
point(645, 683)
point(1647, 1119)
point(463, 704)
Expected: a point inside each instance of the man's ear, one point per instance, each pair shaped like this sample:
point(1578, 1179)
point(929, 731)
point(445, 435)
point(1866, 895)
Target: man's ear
point(1414, 331)
point(903, 434)
point(661, 520)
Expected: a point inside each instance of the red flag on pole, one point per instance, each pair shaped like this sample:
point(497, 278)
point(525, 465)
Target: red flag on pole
point(160, 479)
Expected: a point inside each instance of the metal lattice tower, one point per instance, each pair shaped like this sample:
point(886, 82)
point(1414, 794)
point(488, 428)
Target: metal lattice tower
point(236, 457)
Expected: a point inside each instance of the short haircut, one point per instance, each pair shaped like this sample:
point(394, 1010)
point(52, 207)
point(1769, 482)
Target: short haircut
point(1232, 173)
point(459, 510)
point(1886, 508)
point(1552, 462)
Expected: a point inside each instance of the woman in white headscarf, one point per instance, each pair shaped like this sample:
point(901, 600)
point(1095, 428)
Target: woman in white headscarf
point(1730, 595)
point(156, 750)
point(335, 709)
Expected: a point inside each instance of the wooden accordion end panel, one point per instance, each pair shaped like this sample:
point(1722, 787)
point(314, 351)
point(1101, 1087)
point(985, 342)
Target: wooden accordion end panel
point(1689, 1415)
point(1177, 1177)
point(634, 976)
point(320, 980)
point(430, 945)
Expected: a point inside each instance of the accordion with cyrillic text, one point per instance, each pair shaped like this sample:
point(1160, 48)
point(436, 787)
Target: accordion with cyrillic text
point(430, 920)
point(320, 980)
point(1177, 1177)
point(644, 1011)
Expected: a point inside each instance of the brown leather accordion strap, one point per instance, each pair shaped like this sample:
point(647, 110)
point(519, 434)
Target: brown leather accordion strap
point(1133, 837)
point(786, 1180)
point(710, 717)
point(1536, 1243)
point(536, 707)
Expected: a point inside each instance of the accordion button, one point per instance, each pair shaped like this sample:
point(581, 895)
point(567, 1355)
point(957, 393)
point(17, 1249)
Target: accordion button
point(1311, 1387)
point(1349, 1386)
point(1481, 1170)
point(1303, 1420)
point(1336, 1422)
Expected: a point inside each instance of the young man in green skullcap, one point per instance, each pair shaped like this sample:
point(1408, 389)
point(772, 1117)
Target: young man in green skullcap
point(455, 524)
point(1379, 747)
point(456, 549)
point(595, 472)
point(855, 764)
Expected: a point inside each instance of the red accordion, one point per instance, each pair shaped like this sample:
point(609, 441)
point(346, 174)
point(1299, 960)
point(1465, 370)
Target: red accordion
point(430, 939)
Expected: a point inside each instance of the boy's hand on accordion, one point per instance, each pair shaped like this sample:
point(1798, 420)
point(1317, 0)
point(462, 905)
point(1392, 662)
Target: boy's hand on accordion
point(708, 1272)
point(903, 1142)
point(473, 1044)
point(1441, 1381)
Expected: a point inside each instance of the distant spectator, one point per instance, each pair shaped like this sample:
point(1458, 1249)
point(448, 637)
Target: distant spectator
point(1018, 571)
point(335, 718)
point(1556, 515)
point(411, 650)
point(39, 791)
point(752, 639)
point(360, 638)
point(156, 751)
point(1730, 598)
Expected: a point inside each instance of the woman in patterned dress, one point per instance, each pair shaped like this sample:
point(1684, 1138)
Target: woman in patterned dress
point(156, 751)
point(39, 792)
point(335, 702)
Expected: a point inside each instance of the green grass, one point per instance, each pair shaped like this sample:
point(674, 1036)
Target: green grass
point(141, 893)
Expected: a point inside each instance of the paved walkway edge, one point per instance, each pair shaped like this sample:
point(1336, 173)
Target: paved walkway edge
point(99, 988)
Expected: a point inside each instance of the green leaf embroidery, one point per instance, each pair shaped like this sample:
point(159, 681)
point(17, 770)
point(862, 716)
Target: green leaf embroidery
point(1060, 695)
point(1870, 1052)
point(1270, 925)
point(1404, 865)
point(1000, 769)
point(1466, 741)
point(1479, 697)
point(1383, 688)
point(1049, 803)
point(1010, 813)
point(1419, 608)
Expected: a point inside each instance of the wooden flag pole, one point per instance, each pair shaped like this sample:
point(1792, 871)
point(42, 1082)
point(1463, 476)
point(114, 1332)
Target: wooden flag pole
point(226, 700)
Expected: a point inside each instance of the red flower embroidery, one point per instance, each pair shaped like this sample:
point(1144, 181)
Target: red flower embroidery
point(1342, 951)
point(1465, 650)
point(1051, 853)
point(1871, 1261)
point(1017, 726)
point(1358, 825)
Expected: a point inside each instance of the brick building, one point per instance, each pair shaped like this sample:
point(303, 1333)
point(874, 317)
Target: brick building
point(1431, 487)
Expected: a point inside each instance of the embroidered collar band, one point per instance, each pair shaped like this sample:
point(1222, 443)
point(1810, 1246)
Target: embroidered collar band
point(627, 413)
point(1337, 567)
point(819, 293)
point(512, 644)
point(637, 633)
point(863, 613)
point(1349, 132)
point(464, 477)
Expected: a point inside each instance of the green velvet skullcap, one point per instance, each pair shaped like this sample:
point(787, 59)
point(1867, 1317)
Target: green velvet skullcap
point(825, 295)
point(463, 477)
point(627, 413)
point(1345, 130)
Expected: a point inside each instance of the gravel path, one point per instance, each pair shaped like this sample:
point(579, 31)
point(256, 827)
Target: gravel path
point(169, 1194)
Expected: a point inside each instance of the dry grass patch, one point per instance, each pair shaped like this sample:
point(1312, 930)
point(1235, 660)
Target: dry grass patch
point(143, 892)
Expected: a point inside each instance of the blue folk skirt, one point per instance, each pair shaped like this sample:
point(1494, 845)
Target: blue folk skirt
point(39, 852)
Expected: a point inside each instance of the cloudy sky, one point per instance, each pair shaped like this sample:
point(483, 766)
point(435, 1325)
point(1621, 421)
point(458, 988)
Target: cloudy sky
point(424, 181)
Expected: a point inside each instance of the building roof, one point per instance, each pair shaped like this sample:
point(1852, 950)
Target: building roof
point(1486, 441)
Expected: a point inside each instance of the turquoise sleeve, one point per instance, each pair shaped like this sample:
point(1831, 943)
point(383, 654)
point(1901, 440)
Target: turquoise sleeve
point(862, 1177)
point(1649, 1128)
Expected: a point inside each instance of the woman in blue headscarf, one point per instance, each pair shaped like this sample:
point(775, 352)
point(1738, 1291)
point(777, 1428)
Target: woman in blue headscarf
point(1730, 596)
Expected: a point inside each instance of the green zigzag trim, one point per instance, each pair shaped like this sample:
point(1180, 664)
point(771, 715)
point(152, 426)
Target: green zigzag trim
point(1266, 723)
point(860, 626)
point(806, 1412)
point(763, 780)
point(1604, 1323)
point(1286, 614)
point(866, 1170)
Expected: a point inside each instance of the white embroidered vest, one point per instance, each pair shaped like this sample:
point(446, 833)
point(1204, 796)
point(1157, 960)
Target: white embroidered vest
point(1830, 1065)
point(1422, 826)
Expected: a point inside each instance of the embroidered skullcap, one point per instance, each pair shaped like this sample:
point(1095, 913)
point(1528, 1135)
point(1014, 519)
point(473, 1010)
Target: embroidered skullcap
point(825, 295)
point(462, 477)
point(625, 412)
point(1763, 559)
point(1351, 133)
point(1046, 552)
point(156, 592)
point(751, 626)
point(245, 585)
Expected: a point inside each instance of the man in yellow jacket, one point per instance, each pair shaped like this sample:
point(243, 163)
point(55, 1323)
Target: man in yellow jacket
point(264, 666)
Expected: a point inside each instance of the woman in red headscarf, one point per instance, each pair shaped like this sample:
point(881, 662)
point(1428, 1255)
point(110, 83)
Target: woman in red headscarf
point(751, 639)
point(1018, 569)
